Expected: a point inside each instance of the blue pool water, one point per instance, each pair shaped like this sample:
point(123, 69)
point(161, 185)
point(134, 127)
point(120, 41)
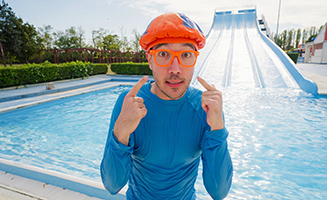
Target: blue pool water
point(278, 140)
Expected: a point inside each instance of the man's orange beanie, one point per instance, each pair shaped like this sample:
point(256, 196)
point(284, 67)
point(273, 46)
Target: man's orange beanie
point(172, 28)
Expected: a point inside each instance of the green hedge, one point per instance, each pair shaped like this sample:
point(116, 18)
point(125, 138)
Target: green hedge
point(45, 72)
point(293, 56)
point(131, 68)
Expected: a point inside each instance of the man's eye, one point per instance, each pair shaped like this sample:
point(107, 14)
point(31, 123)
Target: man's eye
point(186, 54)
point(163, 53)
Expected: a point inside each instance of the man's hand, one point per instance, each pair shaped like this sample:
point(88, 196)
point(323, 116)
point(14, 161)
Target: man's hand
point(212, 104)
point(133, 110)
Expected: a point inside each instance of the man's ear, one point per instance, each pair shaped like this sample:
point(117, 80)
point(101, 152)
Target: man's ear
point(148, 57)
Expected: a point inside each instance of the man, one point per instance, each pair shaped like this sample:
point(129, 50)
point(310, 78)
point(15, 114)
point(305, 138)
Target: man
point(159, 130)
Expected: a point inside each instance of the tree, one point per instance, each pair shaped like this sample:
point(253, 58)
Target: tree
point(286, 38)
point(8, 24)
point(71, 38)
point(304, 35)
point(283, 39)
point(103, 40)
point(46, 36)
point(124, 44)
point(19, 39)
point(135, 41)
point(97, 37)
point(313, 30)
point(29, 42)
point(289, 39)
point(80, 37)
point(279, 41)
point(298, 38)
point(110, 42)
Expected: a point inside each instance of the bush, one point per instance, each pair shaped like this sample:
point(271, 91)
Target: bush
point(293, 56)
point(45, 72)
point(131, 68)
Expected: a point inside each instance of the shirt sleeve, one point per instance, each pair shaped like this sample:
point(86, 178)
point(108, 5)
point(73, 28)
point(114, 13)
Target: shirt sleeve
point(116, 164)
point(217, 163)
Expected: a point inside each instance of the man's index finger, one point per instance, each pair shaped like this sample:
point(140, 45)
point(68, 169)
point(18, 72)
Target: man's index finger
point(205, 84)
point(133, 92)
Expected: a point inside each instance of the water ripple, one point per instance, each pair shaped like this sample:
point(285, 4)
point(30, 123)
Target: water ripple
point(277, 141)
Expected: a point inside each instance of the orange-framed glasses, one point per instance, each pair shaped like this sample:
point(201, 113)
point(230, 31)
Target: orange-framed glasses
point(164, 57)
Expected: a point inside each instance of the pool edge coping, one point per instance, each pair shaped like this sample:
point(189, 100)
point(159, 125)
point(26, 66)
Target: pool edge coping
point(58, 179)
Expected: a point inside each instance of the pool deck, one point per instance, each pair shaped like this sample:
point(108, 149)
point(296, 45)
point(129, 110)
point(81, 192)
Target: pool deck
point(13, 187)
point(316, 73)
point(14, 98)
point(17, 187)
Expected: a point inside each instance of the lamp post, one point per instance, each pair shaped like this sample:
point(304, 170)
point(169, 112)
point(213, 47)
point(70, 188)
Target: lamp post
point(278, 21)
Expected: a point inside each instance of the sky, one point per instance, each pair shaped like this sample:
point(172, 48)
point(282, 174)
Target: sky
point(121, 17)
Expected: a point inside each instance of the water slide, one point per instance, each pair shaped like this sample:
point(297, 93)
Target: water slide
point(238, 54)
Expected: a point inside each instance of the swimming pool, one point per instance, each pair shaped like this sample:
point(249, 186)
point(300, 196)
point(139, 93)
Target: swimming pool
point(278, 140)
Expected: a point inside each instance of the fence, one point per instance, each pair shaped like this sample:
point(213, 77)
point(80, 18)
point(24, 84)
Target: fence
point(95, 55)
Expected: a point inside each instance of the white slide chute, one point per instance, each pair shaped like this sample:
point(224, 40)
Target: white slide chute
point(238, 54)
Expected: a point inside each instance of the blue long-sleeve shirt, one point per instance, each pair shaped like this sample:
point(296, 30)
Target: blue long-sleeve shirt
point(163, 155)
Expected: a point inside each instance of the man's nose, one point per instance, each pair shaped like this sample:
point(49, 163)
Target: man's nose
point(175, 67)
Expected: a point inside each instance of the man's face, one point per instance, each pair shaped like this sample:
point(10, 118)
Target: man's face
point(171, 82)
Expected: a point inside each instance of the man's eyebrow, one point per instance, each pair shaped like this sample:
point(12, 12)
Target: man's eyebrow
point(159, 45)
point(184, 44)
point(190, 45)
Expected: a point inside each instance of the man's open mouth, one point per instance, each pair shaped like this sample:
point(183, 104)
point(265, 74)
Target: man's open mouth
point(174, 83)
